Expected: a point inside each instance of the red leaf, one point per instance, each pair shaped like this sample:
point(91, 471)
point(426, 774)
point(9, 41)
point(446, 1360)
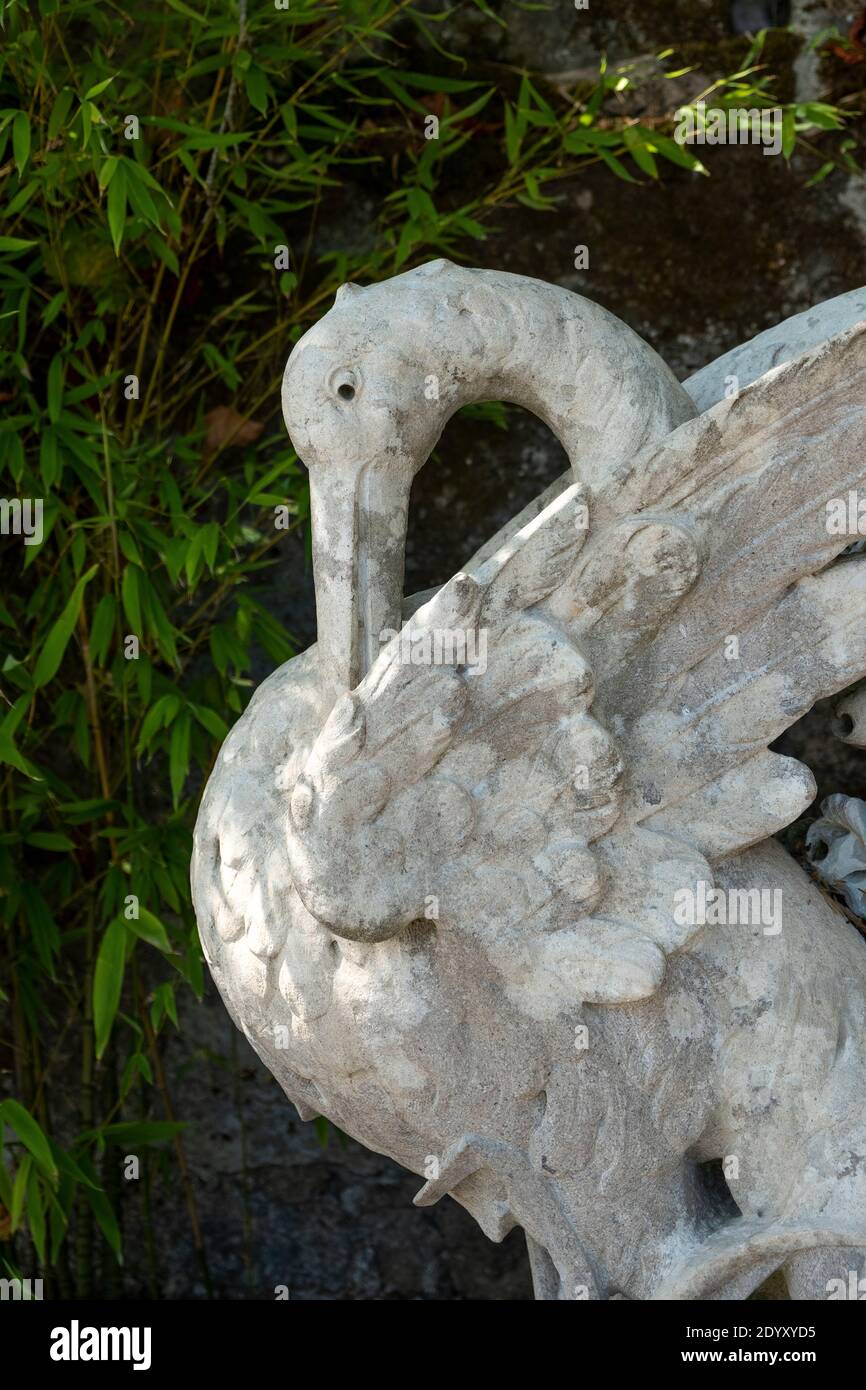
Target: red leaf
point(227, 429)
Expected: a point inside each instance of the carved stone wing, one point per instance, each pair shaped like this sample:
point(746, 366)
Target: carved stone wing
point(600, 736)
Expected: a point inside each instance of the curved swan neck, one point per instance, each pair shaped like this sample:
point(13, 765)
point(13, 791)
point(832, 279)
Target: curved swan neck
point(414, 350)
point(600, 388)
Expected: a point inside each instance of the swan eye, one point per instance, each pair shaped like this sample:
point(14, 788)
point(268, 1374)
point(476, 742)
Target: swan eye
point(345, 384)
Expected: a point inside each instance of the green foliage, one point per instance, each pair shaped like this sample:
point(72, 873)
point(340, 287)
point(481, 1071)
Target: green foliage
point(146, 312)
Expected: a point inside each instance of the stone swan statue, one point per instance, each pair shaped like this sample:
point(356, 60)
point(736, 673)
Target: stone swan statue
point(459, 905)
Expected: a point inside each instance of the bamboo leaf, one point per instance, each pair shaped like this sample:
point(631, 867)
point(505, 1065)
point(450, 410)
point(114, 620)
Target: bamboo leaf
point(636, 144)
point(36, 1214)
point(49, 839)
point(136, 1065)
point(677, 154)
point(19, 1191)
point(58, 638)
point(178, 754)
point(15, 243)
point(257, 88)
point(210, 720)
point(187, 10)
point(21, 141)
point(102, 628)
point(141, 1132)
point(31, 1135)
point(130, 590)
point(150, 929)
point(108, 981)
point(55, 389)
point(105, 1219)
point(98, 89)
point(59, 112)
point(117, 207)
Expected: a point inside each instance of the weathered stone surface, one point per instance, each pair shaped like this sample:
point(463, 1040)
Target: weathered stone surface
point(851, 719)
point(428, 924)
point(836, 845)
point(775, 347)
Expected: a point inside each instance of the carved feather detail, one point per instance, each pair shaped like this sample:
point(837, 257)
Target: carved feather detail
point(613, 744)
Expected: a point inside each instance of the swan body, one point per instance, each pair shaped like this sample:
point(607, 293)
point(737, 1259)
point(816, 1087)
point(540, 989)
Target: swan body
point(448, 902)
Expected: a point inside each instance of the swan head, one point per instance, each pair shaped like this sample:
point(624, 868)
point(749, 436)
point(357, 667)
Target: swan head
point(355, 407)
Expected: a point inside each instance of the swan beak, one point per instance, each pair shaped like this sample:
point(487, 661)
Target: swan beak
point(358, 516)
